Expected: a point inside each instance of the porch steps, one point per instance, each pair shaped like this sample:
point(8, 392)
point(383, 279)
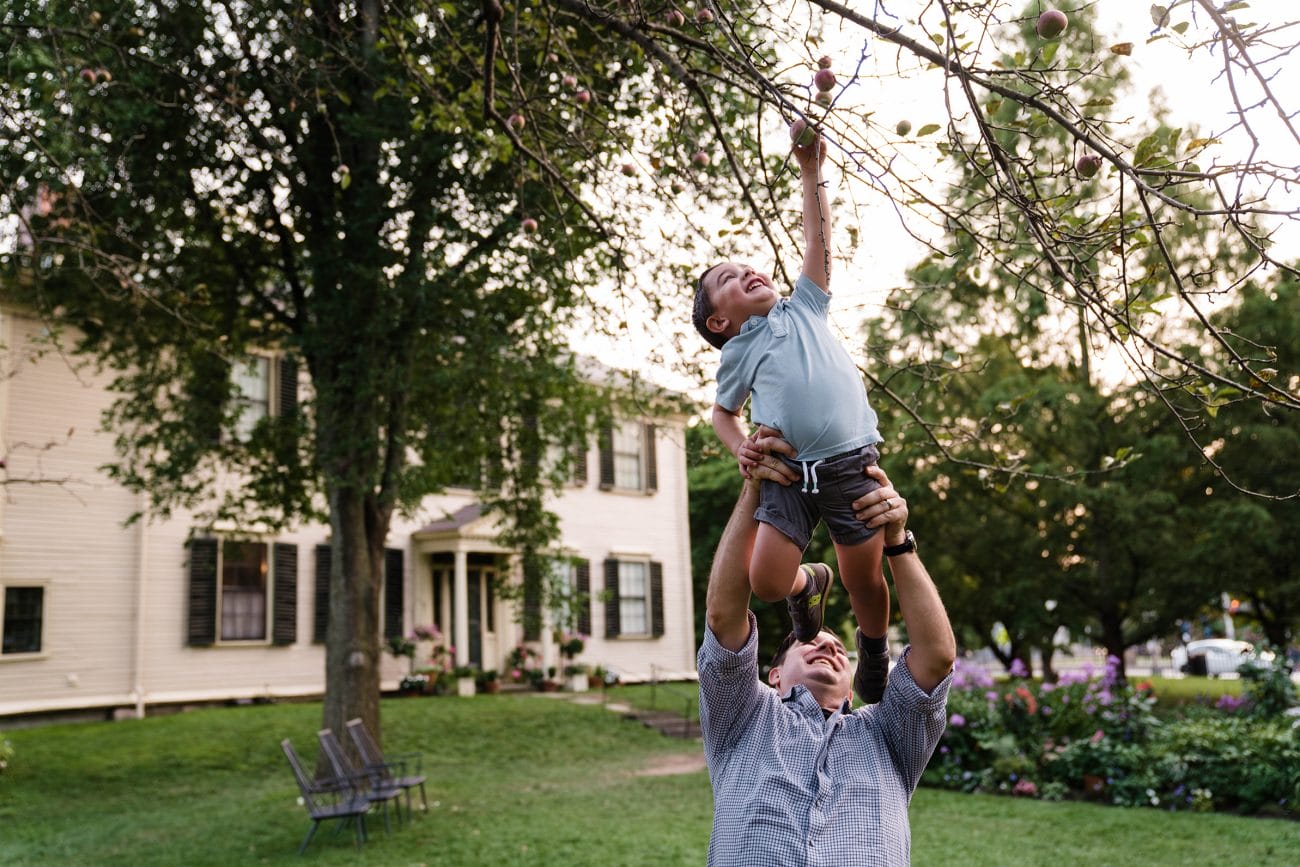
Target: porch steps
point(668, 723)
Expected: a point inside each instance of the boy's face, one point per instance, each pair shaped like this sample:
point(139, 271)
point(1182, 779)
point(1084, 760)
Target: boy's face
point(737, 292)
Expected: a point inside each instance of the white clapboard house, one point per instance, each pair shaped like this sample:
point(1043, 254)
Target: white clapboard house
point(95, 614)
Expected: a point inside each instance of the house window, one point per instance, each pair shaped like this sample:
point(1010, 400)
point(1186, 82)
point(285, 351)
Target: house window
point(23, 610)
point(244, 573)
point(253, 381)
point(632, 598)
point(628, 456)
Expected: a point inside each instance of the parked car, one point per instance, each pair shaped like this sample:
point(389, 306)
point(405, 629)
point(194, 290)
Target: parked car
point(1214, 656)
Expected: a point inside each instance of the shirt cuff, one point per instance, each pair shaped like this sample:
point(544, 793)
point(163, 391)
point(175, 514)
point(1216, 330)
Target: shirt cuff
point(900, 681)
point(726, 660)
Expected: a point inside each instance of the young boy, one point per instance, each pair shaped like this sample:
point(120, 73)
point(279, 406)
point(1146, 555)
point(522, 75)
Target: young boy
point(804, 384)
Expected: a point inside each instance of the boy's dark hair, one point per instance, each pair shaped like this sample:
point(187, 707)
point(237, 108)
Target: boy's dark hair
point(790, 641)
point(703, 310)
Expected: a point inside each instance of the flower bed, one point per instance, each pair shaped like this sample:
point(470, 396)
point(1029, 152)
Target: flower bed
point(1091, 736)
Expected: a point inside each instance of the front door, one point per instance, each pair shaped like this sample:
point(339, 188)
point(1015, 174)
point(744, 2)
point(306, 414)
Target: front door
point(474, 584)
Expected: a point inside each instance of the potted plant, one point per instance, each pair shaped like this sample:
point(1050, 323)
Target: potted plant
point(575, 677)
point(465, 676)
point(487, 681)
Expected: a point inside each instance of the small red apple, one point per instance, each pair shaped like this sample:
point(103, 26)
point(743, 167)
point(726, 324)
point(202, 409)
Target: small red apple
point(678, 187)
point(88, 76)
point(675, 18)
point(516, 121)
point(569, 81)
point(904, 127)
point(824, 79)
point(1087, 165)
point(824, 62)
point(94, 18)
point(704, 16)
point(629, 169)
point(552, 57)
point(529, 225)
point(1051, 24)
point(801, 133)
point(583, 97)
point(104, 74)
point(701, 159)
point(823, 98)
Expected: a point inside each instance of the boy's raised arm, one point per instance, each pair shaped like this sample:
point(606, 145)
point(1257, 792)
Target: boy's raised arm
point(816, 213)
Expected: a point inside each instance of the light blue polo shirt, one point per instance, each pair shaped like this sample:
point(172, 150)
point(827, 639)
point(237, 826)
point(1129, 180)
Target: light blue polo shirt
point(802, 380)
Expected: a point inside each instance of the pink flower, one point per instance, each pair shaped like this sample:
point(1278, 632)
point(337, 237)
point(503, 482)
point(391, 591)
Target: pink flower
point(956, 720)
point(1025, 787)
point(1096, 737)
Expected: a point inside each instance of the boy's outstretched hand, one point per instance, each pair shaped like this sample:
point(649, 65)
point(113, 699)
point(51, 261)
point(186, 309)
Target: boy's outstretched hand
point(809, 147)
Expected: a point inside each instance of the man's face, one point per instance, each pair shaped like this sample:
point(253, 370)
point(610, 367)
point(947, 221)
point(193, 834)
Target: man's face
point(822, 666)
point(737, 292)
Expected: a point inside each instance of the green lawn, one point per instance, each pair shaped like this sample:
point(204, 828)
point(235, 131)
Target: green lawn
point(514, 779)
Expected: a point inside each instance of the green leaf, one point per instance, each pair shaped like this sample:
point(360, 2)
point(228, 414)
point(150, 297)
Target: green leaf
point(1146, 150)
point(1048, 54)
point(345, 181)
point(928, 129)
point(1180, 28)
point(1159, 15)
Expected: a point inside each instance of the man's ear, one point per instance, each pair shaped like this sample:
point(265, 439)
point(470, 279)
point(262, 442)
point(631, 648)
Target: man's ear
point(718, 324)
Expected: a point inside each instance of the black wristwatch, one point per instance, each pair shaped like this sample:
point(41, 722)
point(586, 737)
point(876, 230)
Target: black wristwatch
point(907, 546)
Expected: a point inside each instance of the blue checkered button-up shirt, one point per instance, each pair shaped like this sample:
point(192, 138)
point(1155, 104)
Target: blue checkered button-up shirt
point(791, 787)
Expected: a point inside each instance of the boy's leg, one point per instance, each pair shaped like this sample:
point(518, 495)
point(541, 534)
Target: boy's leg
point(775, 573)
point(864, 579)
point(862, 572)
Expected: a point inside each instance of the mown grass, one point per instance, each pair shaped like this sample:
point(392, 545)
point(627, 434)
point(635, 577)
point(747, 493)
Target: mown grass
point(514, 779)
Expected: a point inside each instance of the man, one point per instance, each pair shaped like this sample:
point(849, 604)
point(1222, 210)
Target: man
point(798, 778)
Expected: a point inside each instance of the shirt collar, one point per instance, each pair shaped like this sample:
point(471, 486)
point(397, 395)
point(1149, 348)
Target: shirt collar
point(803, 699)
point(775, 319)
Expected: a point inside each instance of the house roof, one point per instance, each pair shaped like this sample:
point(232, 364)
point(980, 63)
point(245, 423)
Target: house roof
point(456, 520)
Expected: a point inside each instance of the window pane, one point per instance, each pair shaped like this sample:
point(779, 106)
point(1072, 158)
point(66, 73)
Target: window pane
point(632, 598)
point(627, 456)
point(243, 591)
point(564, 586)
point(22, 626)
point(254, 383)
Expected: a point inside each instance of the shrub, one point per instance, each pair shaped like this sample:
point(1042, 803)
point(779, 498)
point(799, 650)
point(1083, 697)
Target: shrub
point(1268, 685)
point(1094, 736)
point(6, 753)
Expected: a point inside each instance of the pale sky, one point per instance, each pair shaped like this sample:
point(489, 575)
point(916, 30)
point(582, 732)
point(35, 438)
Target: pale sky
point(1189, 90)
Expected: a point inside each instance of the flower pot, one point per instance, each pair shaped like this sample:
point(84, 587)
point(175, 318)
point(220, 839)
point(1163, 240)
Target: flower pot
point(464, 686)
point(491, 686)
point(577, 682)
point(1094, 786)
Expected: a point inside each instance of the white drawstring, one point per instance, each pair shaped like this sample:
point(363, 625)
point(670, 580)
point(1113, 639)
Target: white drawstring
point(807, 471)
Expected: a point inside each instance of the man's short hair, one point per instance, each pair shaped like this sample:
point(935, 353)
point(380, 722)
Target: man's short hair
point(704, 309)
point(790, 641)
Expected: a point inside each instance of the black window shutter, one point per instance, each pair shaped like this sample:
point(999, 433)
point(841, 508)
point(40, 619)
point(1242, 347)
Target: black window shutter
point(202, 627)
point(611, 599)
point(321, 616)
point(583, 570)
point(284, 621)
point(656, 599)
point(580, 464)
point(532, 604)
point(651, 460)
point(606, 456)
point(393, 590)
point(287, 405)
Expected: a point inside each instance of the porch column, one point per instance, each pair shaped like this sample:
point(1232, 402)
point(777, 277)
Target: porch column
point(461, 618)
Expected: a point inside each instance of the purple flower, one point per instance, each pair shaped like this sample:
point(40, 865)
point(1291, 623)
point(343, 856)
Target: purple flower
point(1018, 668)
point(956, 720)
point(991, 695)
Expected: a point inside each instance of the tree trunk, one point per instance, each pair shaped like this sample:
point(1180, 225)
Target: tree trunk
point(352, 650)
point(1112, 638)
point(1045, 651)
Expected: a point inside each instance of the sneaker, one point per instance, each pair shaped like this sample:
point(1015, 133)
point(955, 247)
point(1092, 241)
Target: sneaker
point(872, 674)
point(808, 608)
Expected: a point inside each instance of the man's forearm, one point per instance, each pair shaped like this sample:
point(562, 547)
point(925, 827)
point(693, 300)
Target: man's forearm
point(928, 630)
point(727, 601)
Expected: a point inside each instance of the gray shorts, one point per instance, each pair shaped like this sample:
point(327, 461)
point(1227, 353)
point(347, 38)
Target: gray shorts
point(826, 493)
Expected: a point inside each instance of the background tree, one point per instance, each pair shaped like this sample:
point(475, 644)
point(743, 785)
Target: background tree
point(398, 199)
